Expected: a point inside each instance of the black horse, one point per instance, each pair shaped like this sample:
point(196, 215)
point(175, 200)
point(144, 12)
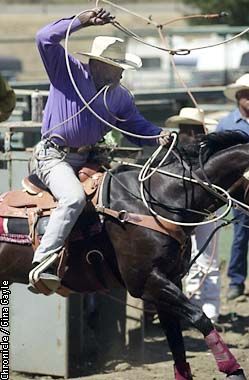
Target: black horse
point(149, 263)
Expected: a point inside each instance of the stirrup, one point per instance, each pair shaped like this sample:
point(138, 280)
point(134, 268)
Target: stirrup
point(42, 286)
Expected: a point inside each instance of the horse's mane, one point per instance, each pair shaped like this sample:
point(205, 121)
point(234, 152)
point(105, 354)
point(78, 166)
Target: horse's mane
point(211, 144)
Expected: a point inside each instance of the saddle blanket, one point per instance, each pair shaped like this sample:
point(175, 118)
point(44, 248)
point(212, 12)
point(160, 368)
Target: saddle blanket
point(13, 230)
point(16, 230)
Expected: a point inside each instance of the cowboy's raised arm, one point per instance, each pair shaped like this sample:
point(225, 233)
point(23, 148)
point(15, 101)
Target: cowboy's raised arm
point(48, 38)
point(96, 16)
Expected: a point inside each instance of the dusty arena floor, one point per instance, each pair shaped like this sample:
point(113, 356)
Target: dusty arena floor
point(157, 364)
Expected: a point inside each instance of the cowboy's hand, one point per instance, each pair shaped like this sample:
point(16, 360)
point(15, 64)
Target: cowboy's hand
point(96, 16)
point(164, 138)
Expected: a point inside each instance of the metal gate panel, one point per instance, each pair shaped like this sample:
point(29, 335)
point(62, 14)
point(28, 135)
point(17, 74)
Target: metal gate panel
point(13, 168)
point(38, 324)
point(38, 337)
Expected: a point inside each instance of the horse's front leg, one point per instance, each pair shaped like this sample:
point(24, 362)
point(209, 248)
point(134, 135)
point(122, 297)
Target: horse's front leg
point(173, 331)
point(168, 296)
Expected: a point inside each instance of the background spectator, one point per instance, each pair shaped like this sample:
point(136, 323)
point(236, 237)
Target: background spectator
point(203, 281)
point(238, 119)
point(7, 99)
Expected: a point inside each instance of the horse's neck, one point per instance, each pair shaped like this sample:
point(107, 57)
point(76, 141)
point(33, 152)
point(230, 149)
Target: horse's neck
point(226, 168)
point(223, 169)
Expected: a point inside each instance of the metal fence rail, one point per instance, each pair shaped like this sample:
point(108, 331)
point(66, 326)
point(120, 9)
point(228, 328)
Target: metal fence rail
point(156, 104)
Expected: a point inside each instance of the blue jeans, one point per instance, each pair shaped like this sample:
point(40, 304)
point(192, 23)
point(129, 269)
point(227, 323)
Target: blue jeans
point(57, 171)
point(237, 269)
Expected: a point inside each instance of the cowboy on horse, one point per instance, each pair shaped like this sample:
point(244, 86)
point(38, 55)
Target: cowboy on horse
point(60, 154)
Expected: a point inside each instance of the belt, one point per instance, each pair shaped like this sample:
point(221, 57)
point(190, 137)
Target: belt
point(67, 149)
point(80, 150)
point(72, 150)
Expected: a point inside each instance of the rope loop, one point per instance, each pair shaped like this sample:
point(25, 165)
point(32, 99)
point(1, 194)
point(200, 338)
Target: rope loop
point(182, 51)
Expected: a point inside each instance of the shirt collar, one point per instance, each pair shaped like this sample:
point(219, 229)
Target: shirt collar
point(237, 115)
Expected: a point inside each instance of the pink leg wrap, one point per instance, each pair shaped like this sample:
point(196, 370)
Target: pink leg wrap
point(224, 358)
point(182, 371)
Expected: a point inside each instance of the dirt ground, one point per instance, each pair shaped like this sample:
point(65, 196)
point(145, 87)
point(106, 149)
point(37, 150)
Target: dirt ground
point(157, 364)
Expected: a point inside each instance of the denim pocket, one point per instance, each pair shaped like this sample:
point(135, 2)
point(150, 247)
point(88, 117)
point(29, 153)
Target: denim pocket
point(44, 159)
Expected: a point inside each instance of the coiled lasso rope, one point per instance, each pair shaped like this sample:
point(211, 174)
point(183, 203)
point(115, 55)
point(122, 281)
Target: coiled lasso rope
point(87, 105)
point(81, 96)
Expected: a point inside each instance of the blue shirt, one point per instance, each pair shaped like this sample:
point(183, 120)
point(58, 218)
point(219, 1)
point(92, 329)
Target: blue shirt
point(63, 101)
point(232, 122)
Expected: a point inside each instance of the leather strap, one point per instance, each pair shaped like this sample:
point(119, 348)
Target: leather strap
point(33, 216)
point(63, 255)
point(16, 212)
point(41, 287)
point(64, 291)
point(146, 221)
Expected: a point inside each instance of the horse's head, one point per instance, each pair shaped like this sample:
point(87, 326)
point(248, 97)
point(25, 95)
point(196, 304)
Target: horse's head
point(218, 158)
point(210, 144)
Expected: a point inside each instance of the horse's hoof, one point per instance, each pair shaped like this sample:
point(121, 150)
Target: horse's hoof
point(237, 375)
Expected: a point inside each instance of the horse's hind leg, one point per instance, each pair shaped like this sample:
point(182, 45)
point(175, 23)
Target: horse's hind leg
point(173, 331)
point(168, 296)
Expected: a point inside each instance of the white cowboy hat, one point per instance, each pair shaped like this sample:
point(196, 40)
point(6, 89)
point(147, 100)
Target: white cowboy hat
point(240, 84)
point(190, 115)
point(111, 50)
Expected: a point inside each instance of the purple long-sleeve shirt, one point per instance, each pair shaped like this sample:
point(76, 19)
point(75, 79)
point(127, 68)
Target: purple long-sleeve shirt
point(63, 101)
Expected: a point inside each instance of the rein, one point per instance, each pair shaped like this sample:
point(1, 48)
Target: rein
point(209, 186)
point(202, 249)
point(167, 207)
point(195, 179)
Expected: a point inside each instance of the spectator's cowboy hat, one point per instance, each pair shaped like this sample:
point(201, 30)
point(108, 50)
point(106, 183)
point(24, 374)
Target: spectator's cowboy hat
point(190, 115)
point(240, 84)
point(111, 50)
